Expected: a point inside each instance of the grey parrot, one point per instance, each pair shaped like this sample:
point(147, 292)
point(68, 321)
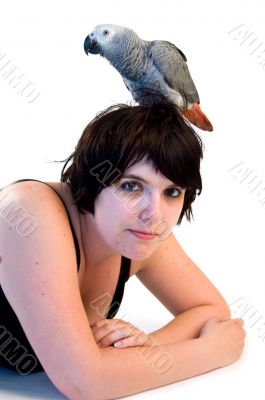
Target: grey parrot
point(149, 67)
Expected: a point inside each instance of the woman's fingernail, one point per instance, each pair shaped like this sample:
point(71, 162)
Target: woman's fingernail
point(118, 344)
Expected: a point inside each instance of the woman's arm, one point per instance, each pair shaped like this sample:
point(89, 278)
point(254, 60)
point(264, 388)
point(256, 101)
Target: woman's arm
point(188, 324)
point(183, 289)
point(132, 370)
point(185, 326)
point(38, 275)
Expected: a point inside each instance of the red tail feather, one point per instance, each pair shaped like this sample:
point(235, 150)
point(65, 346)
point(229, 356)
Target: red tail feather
point(197, 118)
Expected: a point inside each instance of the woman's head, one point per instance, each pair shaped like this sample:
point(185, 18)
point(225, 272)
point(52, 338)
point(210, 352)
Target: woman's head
point(123, 136)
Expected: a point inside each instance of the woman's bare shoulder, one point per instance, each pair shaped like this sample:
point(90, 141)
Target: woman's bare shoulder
point(26, 187)
point(38, 276)
point(18, 200)
point(37, 195)
point(23, 190)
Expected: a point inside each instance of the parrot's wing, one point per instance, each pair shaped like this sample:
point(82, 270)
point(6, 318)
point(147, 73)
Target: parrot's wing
point(171, 63)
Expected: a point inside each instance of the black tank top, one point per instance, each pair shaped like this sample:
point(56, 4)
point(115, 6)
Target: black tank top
point(12, 336)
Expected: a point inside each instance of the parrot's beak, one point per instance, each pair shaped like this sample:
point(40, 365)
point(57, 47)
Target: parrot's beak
point(91, 46)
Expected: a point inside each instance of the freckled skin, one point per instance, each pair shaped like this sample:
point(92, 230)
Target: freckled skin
point(115, 230)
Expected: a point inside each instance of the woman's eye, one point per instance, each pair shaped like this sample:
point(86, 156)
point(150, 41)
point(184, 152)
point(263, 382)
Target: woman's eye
point(174, 192)
point(134, 186)
point(128, 186)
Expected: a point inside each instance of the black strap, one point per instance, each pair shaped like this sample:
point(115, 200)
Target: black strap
point(118, 295)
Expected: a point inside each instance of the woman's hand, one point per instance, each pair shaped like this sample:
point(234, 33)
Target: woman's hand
point(117, 332)
point(225, 339)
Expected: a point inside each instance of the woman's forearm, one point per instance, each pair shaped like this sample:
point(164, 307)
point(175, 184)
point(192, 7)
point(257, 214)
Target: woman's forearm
point(188, 324)
point(123, 372)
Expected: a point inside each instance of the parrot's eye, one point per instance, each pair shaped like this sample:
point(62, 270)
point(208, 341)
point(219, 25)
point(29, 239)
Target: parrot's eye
point(105, 32)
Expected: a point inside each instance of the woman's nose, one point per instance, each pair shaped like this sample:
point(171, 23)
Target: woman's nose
point(150, 212)
point(152, 217)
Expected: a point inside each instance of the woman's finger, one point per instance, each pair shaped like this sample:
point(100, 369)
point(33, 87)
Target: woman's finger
point(131, 341)
point(108, 331)
point(104, 331)
point(134, 336)
point(111, 323)
point(112, 337)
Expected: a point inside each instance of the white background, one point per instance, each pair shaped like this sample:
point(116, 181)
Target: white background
point(45, 41)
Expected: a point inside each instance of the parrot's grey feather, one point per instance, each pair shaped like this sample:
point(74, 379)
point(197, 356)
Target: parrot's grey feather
point(175, 48)
point(171, 63)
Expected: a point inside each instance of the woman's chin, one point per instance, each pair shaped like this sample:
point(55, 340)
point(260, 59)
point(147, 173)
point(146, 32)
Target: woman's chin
point(138, 255)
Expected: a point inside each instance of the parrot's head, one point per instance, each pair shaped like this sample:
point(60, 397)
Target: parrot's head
point(107, 40)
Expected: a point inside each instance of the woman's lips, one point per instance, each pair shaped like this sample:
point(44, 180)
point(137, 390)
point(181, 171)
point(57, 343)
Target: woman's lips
point(142, 235)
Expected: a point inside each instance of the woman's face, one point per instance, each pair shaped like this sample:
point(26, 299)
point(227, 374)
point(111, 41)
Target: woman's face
point(144, 201)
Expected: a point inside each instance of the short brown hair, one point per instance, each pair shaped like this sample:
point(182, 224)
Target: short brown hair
point(123, 135)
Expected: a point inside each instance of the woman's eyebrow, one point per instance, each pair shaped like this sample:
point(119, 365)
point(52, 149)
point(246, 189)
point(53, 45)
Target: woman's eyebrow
point(139, 178)
point(135, 177)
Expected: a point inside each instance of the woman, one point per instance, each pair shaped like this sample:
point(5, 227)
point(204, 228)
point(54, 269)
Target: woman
point(64, 246)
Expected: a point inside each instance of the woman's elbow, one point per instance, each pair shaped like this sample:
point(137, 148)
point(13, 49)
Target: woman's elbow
point(78, 390)
point(81, 384)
